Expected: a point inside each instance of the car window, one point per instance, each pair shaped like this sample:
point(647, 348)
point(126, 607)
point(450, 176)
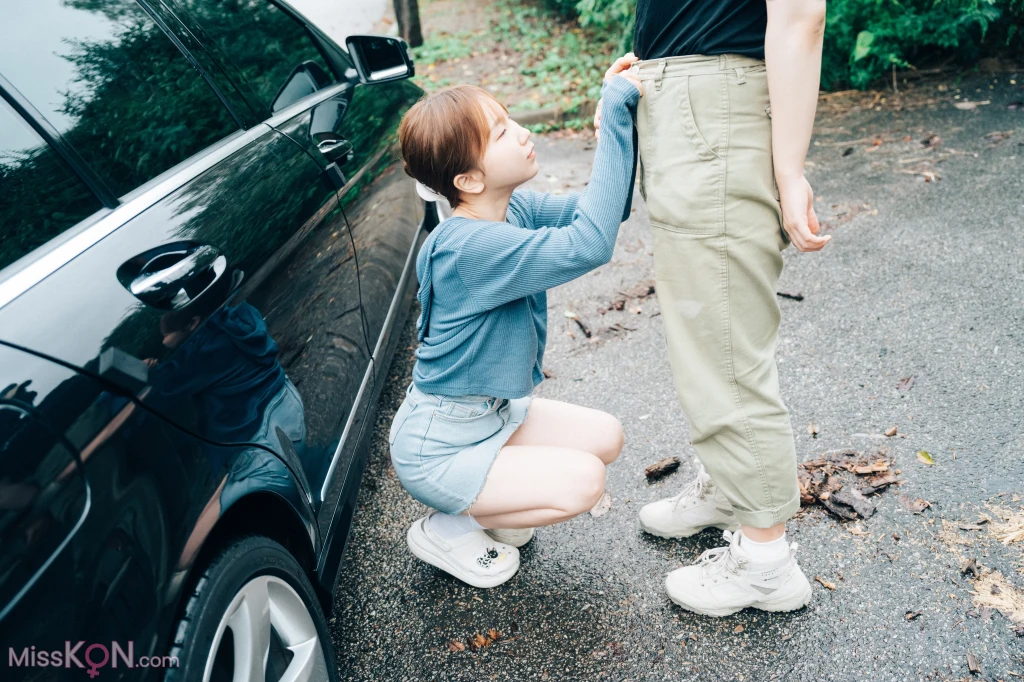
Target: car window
point(111, 82)
point(41, 196)
point(267, 46)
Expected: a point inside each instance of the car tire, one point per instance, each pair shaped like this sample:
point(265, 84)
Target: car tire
point(253, 597)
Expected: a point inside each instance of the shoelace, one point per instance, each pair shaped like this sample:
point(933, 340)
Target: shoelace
point(719, 559)
point(695, 488)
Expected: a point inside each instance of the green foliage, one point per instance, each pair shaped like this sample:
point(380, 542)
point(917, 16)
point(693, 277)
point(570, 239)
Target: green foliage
point(864, 39)
point(560, 62)
point(445, 47)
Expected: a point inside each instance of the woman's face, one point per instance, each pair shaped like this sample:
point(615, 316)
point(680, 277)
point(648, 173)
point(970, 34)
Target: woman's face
point(509, 160)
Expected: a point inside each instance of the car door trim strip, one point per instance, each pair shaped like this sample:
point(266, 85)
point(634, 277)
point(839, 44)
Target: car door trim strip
point(367, 378)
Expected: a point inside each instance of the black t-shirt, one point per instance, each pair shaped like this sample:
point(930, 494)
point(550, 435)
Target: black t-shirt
point(674, 28)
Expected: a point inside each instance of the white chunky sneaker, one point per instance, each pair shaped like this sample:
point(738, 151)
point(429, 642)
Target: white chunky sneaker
point(726, 580)
point(700, 505)
point(517, 537)
point(474, 558)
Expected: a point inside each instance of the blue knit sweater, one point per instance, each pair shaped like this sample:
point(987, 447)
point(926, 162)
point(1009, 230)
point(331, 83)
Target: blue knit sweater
point(483, 284)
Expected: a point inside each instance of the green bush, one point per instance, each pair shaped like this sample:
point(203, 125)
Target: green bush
point(864, 39)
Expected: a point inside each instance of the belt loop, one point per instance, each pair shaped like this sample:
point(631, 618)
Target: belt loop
point(741, 77)
point(658, 75)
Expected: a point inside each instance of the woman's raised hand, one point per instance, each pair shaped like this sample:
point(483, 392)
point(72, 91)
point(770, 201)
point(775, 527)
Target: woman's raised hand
point(619, 68)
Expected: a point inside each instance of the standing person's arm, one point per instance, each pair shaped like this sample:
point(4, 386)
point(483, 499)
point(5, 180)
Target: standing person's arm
point(792, 48)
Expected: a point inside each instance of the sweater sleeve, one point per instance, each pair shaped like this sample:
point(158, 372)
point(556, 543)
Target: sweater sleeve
point(499, 262)
point(542, 209)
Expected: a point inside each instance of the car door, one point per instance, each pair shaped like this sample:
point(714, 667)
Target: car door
point(103, 508)
point(231, 276)
point(102, 504)
point(352, 133)
point(349, 130)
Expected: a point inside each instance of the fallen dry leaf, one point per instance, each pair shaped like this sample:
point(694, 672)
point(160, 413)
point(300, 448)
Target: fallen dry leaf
point(737, 630)
point(825, 583)
point(877, 484)
point(878, 467)
point(640, 292)
point(997, 136)
point(905, 384)
point(693, 636)
point(602, 506)
point(891, 431)
point(924, 174)
point(659, 469)
point(923, 456)
point(455, 646)
point(916, 505)
point(972, 663)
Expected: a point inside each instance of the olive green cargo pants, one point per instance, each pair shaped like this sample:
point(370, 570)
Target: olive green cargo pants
point(707, 177)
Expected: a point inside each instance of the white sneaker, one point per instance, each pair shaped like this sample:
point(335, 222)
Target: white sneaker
point(517, 537)
point(474, 558)
point(726, 580)
point(700, 505)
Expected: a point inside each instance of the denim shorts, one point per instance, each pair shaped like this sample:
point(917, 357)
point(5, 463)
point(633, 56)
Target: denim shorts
point(442, 447)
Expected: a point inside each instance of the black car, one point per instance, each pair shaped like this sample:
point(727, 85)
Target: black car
point(207, 254)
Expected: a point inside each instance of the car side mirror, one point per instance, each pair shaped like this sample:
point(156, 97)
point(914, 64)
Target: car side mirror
point(304, 80)
point(379, 59)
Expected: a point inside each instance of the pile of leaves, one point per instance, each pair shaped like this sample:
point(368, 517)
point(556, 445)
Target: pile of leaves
point(845, 482)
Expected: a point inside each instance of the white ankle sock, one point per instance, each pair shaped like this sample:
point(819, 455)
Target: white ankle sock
point(451, 526)
point(775, 549)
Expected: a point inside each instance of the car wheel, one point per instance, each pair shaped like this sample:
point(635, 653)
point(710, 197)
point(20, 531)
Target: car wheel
point(253, 617)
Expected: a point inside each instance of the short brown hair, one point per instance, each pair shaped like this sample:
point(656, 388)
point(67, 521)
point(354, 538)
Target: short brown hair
point(444, 135)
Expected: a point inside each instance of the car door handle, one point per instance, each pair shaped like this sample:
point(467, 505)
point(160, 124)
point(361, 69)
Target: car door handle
point(336, 150)
point(164, 279)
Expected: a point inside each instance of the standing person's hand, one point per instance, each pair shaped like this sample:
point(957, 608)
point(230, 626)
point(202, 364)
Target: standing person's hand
point(619, 68)
point(798, 216)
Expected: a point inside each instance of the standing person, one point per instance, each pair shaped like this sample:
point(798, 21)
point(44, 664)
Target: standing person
point(730, 90)
point(461, 442)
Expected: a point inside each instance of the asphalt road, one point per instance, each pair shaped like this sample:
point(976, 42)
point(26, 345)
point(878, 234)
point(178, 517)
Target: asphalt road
point(922, 279)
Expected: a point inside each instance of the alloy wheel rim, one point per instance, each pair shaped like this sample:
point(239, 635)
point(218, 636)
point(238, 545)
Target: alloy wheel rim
point(266, 609)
